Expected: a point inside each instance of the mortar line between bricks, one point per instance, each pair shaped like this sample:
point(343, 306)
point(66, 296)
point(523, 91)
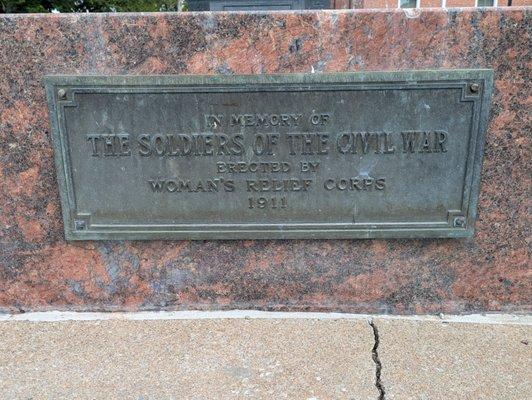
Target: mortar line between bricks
point(378, 364)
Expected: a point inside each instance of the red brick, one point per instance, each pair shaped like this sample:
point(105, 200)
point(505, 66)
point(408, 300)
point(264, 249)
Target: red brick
point(460, 3)
point(341, 4)
point(380, 3)
point(431, 3)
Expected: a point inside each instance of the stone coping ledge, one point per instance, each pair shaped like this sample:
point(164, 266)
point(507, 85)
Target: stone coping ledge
point(58, 316)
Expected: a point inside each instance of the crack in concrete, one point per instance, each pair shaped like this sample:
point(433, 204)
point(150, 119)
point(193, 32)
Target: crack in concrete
point(378, 365)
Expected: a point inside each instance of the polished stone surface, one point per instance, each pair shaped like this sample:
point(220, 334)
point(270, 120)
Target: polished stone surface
point(39, 270)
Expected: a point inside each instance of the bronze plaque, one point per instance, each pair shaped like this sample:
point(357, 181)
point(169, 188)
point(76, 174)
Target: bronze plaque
point(351, 155)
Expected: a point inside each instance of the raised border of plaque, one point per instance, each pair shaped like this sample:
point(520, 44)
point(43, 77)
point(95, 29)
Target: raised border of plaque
point(476, 87)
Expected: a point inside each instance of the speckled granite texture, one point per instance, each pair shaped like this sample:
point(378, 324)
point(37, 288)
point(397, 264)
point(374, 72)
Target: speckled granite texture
point(39, 270)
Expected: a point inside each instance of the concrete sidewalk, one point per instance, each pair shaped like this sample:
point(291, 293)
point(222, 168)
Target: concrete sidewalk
point(261, 355)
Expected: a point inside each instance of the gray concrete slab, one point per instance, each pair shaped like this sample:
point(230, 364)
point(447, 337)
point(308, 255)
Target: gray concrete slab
point(187, 359)
point(430, 359)
point(263, 355)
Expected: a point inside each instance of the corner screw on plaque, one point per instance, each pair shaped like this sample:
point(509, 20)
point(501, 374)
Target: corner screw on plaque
point(61, 93)
point(475, 87)
point(79, 225)
point(459, 222)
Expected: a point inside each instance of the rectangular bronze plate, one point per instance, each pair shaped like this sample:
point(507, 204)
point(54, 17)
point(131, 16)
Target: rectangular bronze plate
point(351, 155)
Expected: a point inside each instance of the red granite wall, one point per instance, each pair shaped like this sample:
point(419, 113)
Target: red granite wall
point(39, 270)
